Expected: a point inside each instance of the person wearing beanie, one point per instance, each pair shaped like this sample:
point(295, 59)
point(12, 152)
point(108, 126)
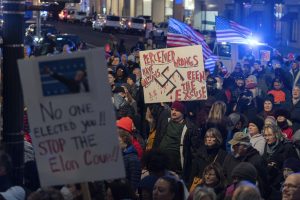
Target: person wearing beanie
point(210, 152)
point(132, 163)
point(125, 125)
point(178, 138)
point(290, 165)
point(270, 120)
point(242, 151)
point(282, 117)
point(244, 171)
point(257, 141)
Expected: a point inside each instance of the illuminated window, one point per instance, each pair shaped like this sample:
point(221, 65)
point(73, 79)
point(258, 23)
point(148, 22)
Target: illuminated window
point(168, 8)
point(147, 7)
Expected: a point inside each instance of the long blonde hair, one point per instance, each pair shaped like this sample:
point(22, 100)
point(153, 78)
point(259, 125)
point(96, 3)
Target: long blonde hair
point(217, 111)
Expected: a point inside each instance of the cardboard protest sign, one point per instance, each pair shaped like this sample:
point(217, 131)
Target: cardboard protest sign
point(265, 56)
point(173, 74)
point(71, 118)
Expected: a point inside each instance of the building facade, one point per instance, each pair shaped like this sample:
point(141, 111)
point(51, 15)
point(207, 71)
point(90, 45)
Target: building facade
point(263, 17)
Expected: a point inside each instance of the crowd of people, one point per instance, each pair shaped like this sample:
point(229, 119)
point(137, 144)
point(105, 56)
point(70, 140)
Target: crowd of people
point(242, 143)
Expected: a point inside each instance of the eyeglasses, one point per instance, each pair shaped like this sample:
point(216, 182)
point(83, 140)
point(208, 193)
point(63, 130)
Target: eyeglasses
point(289, 185)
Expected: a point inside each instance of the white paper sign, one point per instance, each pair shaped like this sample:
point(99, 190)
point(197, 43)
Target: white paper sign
point(173, 74)
point(71, 117)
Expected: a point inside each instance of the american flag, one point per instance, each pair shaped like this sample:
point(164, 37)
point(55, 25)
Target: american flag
point(230, 31)
point(210, 63)
point(180, 34)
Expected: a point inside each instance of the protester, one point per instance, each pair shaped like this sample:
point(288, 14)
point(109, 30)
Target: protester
point(246, 191)
point(256, 138)
point(168, 188)
point(210, 152)
point(179, 139)
point(131, 161)
point(295, 110)
point(291, 189)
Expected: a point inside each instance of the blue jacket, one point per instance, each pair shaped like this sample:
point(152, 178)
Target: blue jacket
point(132, 166)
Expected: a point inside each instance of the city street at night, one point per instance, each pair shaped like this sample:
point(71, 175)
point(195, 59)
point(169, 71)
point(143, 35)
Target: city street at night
point(150, 100)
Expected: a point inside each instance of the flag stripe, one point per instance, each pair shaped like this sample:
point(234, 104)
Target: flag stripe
point(180, 34)
point(230, 31)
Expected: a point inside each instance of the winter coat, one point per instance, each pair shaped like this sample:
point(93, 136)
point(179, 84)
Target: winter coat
point(191, 142)
point(296, 77)
point(295, 116)
point(252, 156)
point(132, 166)
point(258, 142)
point(283, 151)
point(204, 157)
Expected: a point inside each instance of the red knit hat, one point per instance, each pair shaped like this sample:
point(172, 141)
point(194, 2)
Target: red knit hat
point(179, 106)
point(125, 123)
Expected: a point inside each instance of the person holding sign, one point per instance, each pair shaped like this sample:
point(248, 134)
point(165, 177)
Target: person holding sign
point(177, 139)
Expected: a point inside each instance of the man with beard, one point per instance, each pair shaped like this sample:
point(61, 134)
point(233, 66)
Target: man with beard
point(242, 151)
point(179, 139)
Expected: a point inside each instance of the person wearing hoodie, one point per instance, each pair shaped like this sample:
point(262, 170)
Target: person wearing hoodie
point(210, 152)
point(131, 160)
point(257, 140)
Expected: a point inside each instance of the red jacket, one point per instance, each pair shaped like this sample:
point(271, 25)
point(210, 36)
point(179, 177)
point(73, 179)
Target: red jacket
point(288, 133)
point(137, 147)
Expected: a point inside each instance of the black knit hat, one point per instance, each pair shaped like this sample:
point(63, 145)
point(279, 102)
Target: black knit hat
point(245, 171)
point(259, 122)
point(292, 163)
point(282, 112)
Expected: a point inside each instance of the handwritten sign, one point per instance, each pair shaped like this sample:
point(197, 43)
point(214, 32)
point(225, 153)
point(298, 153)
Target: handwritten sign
point(71, 118)
point(173, 74)
point(265, 56)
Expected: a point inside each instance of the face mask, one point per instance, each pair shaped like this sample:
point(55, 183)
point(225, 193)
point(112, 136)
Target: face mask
point(219, 86)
